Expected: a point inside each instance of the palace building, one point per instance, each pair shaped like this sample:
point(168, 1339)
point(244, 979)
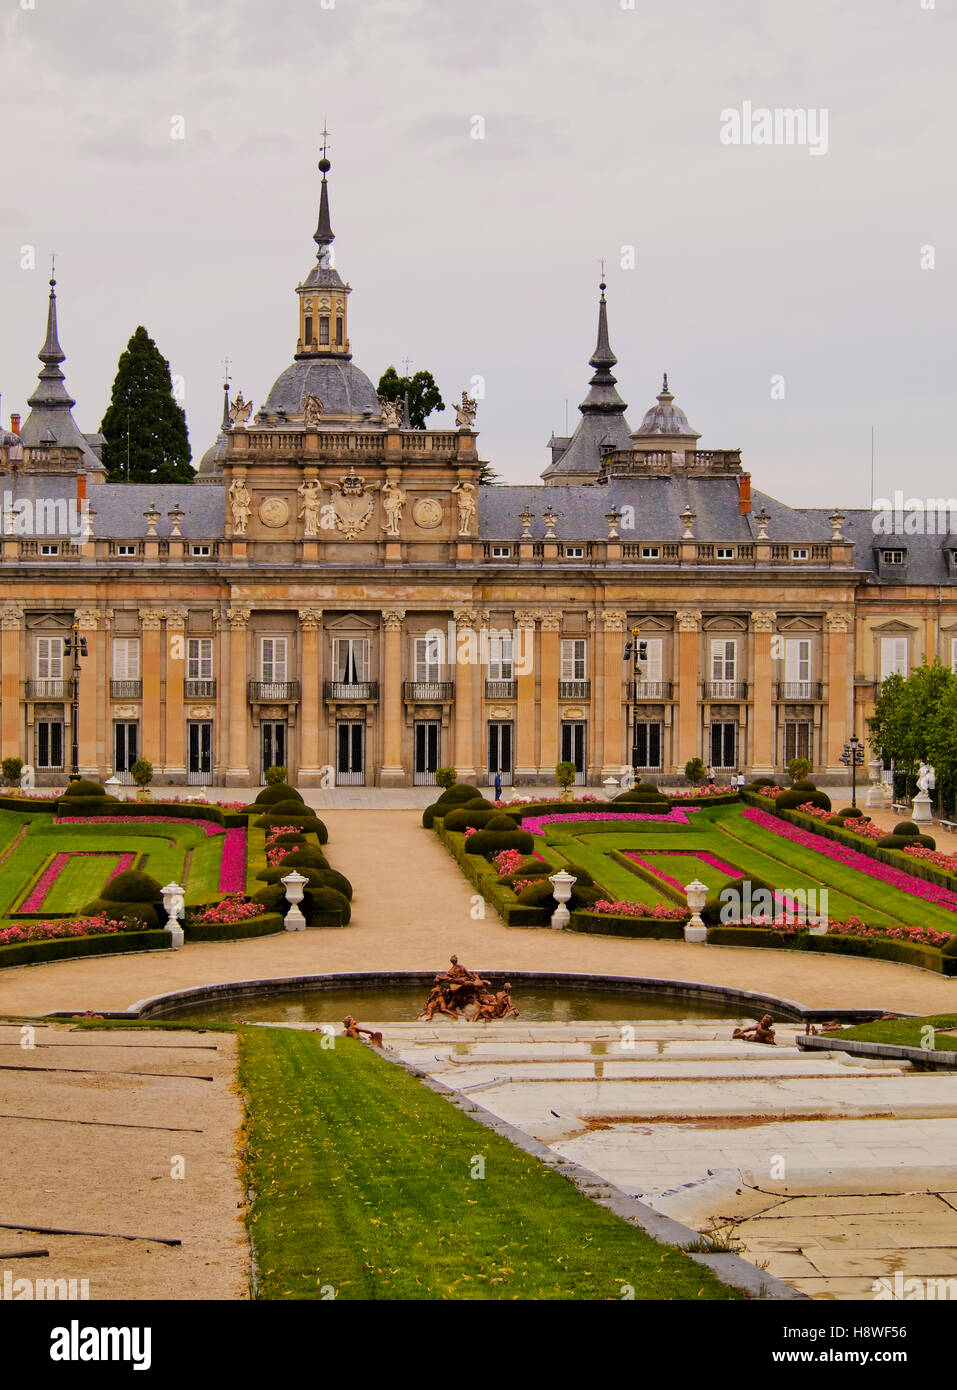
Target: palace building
point(338, 593)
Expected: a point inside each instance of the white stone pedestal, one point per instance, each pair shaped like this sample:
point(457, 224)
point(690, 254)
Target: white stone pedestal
point(921, 813)
point(294, 919)
point(879, 795)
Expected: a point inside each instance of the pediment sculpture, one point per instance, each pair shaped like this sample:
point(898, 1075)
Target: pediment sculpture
point(352, 505)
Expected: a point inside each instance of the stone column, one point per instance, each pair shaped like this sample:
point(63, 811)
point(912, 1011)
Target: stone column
point(526, 764)
point(94, 690)
point(151, 622)
point(464, 712)
point(762, 704)
point(613, 621)
point(175, 765)
point(687, 622)
point(237, 768)
point(11, 622)
point(839, 690)
point(392, 773)
point(310, 705)
point(551, 620)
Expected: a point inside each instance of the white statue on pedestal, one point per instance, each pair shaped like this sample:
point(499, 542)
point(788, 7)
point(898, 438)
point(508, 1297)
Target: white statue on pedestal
point(926, 777)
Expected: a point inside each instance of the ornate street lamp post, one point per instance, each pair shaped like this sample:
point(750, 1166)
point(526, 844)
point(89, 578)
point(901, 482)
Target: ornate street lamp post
point(75, 646)
point(853, 757)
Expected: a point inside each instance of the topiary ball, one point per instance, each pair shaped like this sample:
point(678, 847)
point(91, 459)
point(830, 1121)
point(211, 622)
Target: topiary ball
point(132, 886)
point(925, 841)
point(305, 822)
point(278, 791)
point(804, 784)
point(272, 897)
point(763, 782)
point(304, 858)
point(487, 842)
point(895, 841)
point(85, 788)
point(748, 889)
point(294, 840)
point(331, 878)
point(462, 817)
point(852, 813)
point(460, 792)
point(906, 827)
point(501, 822)
point(135, 916)
point(323, 901)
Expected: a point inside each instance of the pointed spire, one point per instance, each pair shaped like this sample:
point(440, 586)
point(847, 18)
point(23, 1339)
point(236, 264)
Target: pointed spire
point(603, 355)
point(602, 395)
point(52, 388)
point(324, 235)
point(225, 424)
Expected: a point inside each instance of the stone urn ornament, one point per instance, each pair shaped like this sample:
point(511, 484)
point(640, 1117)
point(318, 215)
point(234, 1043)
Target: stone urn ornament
point(294, 884)
point(562, 883)
point(174, 903)
point(696, 893)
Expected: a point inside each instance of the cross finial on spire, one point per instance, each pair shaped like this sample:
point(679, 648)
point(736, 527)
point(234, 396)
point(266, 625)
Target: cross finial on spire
point(52, 268)
point(226, 365)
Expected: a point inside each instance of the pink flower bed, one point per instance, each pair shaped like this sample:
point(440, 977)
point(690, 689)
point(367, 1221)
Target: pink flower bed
point(225, 913)
point(936, 857)
point(625, 908)
point(704, 855)
point(205, 825)
point(232, 865)
point(853, 859)
point(535, 824)
point(35, 899)
point(52, 931)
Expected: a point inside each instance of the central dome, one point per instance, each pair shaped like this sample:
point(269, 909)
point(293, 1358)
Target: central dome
point(339, 384)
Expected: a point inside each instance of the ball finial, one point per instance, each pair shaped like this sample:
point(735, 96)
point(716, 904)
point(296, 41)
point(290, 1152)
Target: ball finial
point(324, 165)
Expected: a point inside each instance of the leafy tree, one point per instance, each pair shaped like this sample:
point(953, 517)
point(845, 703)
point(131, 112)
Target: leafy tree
point(798, 768)
point(446, 777)
point(487, 476)
point(911, 717)
point(144, 426)
point(694, 771)
point(565, 773)
point(424, 395)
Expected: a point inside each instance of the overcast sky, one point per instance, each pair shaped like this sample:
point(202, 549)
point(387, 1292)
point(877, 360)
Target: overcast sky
point(480, 257)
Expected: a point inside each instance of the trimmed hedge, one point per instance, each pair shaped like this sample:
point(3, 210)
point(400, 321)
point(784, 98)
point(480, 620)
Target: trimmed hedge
point(919, 868)
point(29, 804)
point(906, 827)
point(458, 793)
point(606, 924)
point(307, 822)
point(475, 817)
point(277, 791)
point(138, 916)
point(132, 886)
point(37, 952)
point(876, 948)
point(440, 809)
point(84, 787)
point(485, 842)
point(166, 810)
point(790, 800)
point(266, 925)
point(329, 908)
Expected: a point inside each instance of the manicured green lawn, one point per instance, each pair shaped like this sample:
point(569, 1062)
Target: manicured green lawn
point(905, 1032)
point(361, 1182)
point(753, 850)
point(167, 852)
point(11, 823)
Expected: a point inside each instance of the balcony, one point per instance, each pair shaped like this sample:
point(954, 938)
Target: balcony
point(799, 690)
point(350, 690)
point(200, 690)
point(725, 690)
point(653, 690)
point(48, 690)
point(126, 690)
point(574, 690)
point(273, 692)
point(429, 692)
point(501, 690)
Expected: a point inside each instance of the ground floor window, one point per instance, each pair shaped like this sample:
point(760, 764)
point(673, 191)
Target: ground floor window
point(724, 745)
point(274, 736)
point(350, 753)
point(49, 743)
point(573, 747)
point(125, 750)
point(427, 747)
point(500, 752)
point(797, 740)
point(646, 744)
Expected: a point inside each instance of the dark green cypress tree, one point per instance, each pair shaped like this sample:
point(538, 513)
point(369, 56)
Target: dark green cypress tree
point(144, 426)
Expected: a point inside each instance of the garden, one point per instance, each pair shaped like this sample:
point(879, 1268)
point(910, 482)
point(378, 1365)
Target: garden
point(83, 873)
point(781, 867)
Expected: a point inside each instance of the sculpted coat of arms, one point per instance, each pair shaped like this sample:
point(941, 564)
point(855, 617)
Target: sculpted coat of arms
point(352, 505)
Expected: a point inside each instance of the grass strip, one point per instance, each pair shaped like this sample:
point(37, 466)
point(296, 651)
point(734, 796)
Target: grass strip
point(362, 1183)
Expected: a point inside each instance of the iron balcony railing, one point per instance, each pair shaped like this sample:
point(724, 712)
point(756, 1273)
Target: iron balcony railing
point(653, 690)
point(126, 690)
point(269, 692)
point(574, 690)
point(200, 690)
point(799, 690)
point(501, 690)
point(48, 689)
point(725, 690)
point(350, 690)
point(429, 692)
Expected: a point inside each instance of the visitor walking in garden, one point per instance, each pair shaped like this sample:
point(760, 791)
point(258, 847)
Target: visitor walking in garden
point(498, 786)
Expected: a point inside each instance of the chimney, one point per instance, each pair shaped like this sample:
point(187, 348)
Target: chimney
point(744, 494)
point(80, 489)
point(15, 423)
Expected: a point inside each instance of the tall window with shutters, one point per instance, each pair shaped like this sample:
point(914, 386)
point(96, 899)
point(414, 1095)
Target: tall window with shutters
point(797, 668)
point(126, 658)
point(272, 659)
point(199, 659)
point(500, 667)
point(893, 657)
point(724, 660)
point(427, 657)
point(651, 666)
point(574, 659)
point(49, 658)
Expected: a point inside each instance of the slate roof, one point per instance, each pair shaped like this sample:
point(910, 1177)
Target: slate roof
point(50, 423)
point(339, 384)
point(119, 507)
